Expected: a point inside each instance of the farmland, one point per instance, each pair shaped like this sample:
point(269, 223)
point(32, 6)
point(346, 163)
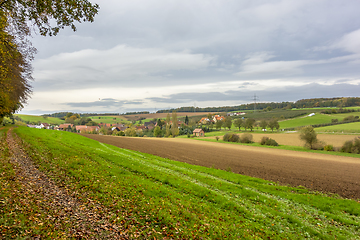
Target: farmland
point(146, 196)
point(342, 128)
point(36, 119)
point(304, 121)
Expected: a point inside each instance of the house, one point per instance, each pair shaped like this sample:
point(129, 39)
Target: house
point(204, 120)
point(45, 125)
point(105, 125)
point(218, 118)
point(198, 132)
point(140, 127)
point(86, 129)
point(65, 126)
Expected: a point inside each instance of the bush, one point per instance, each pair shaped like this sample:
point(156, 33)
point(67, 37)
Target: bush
point(263, 140)
point(329, 147)
point(349, 118)
point(351, 146)
point(334, 120)
point(246, 138)
point(231, 137)
point(268, 141)
point(347, 146)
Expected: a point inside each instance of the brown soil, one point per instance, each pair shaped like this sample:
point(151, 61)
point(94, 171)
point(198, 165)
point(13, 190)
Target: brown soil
point(293, 139)
point(320, 172)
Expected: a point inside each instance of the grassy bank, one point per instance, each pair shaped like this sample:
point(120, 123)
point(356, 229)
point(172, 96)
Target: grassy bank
point(157, 197)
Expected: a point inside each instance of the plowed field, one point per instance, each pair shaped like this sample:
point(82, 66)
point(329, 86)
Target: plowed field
point(320, 172)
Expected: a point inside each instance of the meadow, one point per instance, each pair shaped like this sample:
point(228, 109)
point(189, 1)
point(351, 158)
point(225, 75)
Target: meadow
point(37, 119)
point(155, 197)
point(342, 128)
point(306, 120)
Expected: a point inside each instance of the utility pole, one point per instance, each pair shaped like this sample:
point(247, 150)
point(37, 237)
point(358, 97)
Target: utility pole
point(255, 98)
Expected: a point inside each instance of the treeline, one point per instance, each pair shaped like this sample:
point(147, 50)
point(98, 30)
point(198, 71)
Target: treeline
point(242, 107)
point(132, 113)
point(303, 103)
point(63, 114)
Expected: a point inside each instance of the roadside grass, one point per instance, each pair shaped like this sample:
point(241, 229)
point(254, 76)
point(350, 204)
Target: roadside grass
point(342, 128)
point(36, 119)
point(162, 198)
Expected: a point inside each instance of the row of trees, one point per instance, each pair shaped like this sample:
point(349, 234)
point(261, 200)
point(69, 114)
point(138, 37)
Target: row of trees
point(248, 123)
point(18, 18)
point(303, 103)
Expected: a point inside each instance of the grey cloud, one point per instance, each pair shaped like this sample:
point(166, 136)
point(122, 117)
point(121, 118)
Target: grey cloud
point(312, 90)
point(106, 102)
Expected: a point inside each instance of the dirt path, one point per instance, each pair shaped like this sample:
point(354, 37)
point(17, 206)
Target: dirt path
point(319, 172)
point(84, 218)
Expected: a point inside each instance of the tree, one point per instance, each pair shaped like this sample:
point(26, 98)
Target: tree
point(157, 131)
point(238, 123)
point(186, 120)
point(249, 123)
point(273, 123)
point(228, 122)
point(219, 124)
point(174, 127)
point(263, 124)
point(18, 18)
point(308, 135)
point(168, 132)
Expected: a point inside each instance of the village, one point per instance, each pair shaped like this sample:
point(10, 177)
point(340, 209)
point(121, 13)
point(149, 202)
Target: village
point(133, 129)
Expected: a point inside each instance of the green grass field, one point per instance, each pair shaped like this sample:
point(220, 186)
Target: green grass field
point(304, 121)
point(184, 201)
point(342, 128)
point(36, 119)
point(107, 119)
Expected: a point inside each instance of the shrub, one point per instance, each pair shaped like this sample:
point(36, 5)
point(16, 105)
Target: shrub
point(263, 140)
point(231, 137)
point(246, 138)
point(346, 147)
point(334, 120)
point(268, 141)
point(329, 147)
point(349, 118)
point(351, 146)
point(318, 146)
point(226, 137)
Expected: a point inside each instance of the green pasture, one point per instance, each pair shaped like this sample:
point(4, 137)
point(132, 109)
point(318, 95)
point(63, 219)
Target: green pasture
point(107, 119)
point(159, 198)
point(304, 121)
point(341, 128)
point(36, 119)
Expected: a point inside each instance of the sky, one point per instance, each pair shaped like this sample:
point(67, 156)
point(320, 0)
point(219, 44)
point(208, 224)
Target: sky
point(148, 55)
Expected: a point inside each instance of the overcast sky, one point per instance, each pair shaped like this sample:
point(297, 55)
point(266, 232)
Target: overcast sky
point(146, 55)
